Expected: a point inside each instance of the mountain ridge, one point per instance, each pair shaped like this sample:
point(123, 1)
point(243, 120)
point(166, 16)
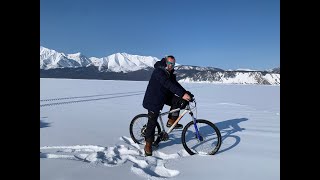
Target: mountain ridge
point(123, 66)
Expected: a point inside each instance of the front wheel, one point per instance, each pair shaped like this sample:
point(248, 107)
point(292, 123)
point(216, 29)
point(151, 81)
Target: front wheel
point(207, 141)
point(138, 128)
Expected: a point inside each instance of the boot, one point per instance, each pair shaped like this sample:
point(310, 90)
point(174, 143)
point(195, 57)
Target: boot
point(171, 122)
point(148, 149)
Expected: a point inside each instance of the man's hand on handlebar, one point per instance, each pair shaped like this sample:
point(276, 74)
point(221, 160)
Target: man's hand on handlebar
point(188, 96)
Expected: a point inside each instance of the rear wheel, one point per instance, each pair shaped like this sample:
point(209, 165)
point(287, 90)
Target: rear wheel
point(138, 128)
point(208, 142)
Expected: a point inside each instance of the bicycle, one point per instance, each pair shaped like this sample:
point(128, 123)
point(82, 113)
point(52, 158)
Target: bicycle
point(192, 138)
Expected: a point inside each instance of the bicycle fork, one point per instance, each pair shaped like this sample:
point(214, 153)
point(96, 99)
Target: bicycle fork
point(196, 127)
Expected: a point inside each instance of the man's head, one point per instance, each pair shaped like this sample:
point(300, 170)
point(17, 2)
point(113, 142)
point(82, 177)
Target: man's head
point(170, 62)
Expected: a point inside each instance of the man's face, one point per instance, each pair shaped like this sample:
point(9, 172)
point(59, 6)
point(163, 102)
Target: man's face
point(170, 63)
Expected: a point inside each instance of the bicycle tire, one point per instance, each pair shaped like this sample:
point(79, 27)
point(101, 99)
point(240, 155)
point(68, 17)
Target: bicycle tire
point(134, 121)
point(217, 133)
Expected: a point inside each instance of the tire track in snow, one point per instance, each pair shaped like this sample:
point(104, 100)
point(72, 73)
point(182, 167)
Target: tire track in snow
point(85, 100)
point(151, 167)
point(78, 97)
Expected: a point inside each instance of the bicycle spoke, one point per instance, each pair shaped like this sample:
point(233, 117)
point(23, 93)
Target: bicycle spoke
point(209, 139)
point(138, 128)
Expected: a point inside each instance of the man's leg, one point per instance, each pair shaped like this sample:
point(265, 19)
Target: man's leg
point(149, 138)
point(174, 116)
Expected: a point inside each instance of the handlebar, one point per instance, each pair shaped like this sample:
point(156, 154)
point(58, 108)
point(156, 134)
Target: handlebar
point(194, 105)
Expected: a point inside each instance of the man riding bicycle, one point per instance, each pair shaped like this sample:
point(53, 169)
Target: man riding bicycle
point(163, 88)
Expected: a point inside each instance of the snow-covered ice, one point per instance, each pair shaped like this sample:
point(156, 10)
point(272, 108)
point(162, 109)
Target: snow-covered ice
point(84, 132)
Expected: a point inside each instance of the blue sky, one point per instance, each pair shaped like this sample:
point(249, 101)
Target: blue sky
point(227, 34)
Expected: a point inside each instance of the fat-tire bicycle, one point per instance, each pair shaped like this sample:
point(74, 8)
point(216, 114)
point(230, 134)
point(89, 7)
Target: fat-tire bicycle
point(199, 136)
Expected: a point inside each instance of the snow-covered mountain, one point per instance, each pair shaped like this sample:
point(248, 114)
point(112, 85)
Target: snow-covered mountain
point(197, 68)
point(216, 75)
point(123, 62)
point(276, 70)
point(230, 77)
point(50, 59)
point(119, 62)
point(123, 66)
point(80, 58)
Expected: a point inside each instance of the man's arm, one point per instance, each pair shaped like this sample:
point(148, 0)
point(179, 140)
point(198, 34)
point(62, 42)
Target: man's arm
point(166, 82)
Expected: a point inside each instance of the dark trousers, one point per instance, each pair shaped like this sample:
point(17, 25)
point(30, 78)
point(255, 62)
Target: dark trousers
point(172, 101)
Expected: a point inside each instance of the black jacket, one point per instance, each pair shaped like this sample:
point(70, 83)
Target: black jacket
point(162, 85)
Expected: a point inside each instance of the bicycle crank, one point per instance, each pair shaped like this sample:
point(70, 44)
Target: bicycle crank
point(164, 136)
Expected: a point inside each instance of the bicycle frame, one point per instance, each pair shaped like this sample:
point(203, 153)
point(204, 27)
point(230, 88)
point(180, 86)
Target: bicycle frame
point(186, 110)
point(175, 123)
